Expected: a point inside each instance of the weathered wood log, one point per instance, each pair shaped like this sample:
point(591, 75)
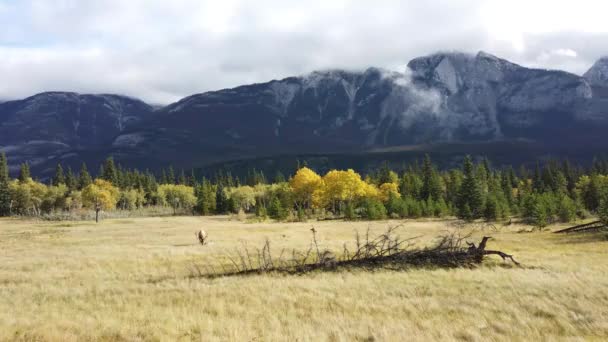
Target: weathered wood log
point(586, 227)
point(385, 251)
point(479, 252)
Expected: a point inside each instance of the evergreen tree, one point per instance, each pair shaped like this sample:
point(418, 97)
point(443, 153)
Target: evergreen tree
point(5, 195)
point(170, 176)
point(470, 201)
point(483, 174)
point(411, 184)
point(524, 173)
point(566, 210)
point(386, 175)
point(602, 210)
point(182, 178)
point(122, 178)
point(206, 198)
point(276, 210)
point(110, 173)
point(507, 186)
point(537, 182)
point(221, 200)
point(453, 181)
point(591, 194)
point(431, 186)
point(163, 177)
point(394, 206)
point(253, 178)
point(279, 177)
point(84, 178)
point(492, 211)
point(513, 177)
point(70, 180)
point(540, 214)
point(549, 178)
point(24, 172)
point(59, 177)
point(373, 209)
point(192, 178)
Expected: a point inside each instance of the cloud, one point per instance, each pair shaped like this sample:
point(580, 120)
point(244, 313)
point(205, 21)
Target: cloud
point(161, 51)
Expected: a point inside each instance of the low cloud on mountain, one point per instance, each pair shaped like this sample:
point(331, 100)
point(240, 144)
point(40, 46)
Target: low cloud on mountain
point(161, 51)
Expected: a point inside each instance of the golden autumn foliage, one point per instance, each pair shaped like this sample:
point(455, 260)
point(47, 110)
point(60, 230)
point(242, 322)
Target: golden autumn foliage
point(28, 195)
point(177, 196)
point(342, 186)
point(100, 194)
point(304, 184)
point(387, 189)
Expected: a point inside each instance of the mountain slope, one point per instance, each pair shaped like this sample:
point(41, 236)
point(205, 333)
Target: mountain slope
point(442, 98)
point(54, 124)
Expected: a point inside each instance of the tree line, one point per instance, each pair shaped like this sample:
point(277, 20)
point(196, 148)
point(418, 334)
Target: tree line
point(554, 191)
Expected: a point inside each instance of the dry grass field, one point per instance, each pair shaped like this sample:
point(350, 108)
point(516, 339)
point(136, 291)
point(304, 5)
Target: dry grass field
point(129, 280)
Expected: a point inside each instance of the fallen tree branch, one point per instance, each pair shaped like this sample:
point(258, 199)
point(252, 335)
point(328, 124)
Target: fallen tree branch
point(586, 227)
point(385, 251)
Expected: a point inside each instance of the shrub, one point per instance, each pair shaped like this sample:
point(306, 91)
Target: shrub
point(301, 215)
point(276, 210)
point(602, 210)
point(241, 216)
point(491, 212)
point(261, 212)
point(349, 212)
point(373, 209)
point(566, 210)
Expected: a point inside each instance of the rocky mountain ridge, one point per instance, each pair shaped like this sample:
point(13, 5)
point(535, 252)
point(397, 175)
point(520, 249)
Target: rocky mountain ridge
point(440, 98)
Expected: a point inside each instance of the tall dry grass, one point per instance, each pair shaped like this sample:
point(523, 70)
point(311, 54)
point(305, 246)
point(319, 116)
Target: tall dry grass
point(129, 279)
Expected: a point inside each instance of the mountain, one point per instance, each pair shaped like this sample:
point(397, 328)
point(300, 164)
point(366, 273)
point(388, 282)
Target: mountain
point(444, 98)
point(598, 74)
point(61, 124)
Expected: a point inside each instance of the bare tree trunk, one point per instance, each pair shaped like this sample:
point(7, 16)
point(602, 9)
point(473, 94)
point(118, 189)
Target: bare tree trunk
point(97, 209)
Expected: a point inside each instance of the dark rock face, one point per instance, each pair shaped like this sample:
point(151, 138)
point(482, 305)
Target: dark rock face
point(445, 97)
point(51, 124)
point(598, 74)
point(486, 98)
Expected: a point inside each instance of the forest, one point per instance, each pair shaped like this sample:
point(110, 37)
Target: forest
point(555, 191)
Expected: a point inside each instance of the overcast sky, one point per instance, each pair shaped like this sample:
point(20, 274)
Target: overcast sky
point(162, 50)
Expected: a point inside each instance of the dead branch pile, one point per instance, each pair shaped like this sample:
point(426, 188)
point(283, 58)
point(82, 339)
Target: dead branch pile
point(384, 251)
point(584, 228)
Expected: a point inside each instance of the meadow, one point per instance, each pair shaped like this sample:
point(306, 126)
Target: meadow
point(132, 279)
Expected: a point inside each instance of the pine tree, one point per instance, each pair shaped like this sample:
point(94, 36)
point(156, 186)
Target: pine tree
point(84, 178)
point(24, 172)
point(492, 211)
point(59, 177)
point(507, 187)
point(453, 181)
point(5, 196)
point(163, 177)
point(276, 210)
point(470, 201)
point(70, 180)
point(206, 198)
point(602, 210)
point(122, 179)
point(279, 177)
point(182, 178)
point(222, 205)
point(109, 172)
point(171, 176)
point(431, 186)
point(537, 182)
point(192, 178)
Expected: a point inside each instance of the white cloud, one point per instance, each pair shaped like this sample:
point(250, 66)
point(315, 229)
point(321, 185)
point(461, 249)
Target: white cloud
point(161, 50)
